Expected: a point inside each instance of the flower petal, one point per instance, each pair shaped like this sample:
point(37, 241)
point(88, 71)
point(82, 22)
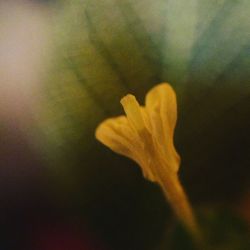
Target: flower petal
point(118, 135)
point(163, 97)
point(162, 110)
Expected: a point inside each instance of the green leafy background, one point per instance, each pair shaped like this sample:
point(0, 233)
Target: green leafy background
point(105, 49)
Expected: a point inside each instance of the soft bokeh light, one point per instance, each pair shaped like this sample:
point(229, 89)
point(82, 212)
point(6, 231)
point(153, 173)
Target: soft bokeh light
point(24, 50)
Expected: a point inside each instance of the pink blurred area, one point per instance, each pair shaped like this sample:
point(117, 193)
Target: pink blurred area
point(24, 55)
point(24, 47)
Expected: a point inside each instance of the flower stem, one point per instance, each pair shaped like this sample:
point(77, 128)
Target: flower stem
point(179, 202)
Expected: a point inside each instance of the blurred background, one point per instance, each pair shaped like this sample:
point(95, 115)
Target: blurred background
point(64, 65)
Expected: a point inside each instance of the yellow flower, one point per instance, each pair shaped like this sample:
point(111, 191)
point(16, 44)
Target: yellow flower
point(146, 135)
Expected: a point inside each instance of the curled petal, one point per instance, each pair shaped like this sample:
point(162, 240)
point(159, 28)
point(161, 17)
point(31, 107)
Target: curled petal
point(133, 112)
